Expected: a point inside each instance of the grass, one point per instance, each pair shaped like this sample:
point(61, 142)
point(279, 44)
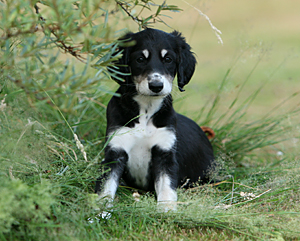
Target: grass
point(48, 181)
point(47, 184)
point(251, 31)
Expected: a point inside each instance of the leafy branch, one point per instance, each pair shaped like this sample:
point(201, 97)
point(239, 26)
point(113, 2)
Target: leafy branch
point(144, 22)
point(39, 39)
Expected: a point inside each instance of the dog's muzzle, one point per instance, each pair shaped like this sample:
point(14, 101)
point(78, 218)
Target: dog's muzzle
point(155, 83)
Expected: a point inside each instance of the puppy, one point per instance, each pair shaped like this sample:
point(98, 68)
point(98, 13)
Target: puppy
point(149, 145)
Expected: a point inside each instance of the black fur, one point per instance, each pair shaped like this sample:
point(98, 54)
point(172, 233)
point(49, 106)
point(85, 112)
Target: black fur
point(191, 156)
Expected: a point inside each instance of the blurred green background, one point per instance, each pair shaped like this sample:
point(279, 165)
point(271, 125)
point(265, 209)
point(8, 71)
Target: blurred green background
point(263, 33)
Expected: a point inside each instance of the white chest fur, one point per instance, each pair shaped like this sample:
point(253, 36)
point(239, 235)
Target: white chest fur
point(138, 141)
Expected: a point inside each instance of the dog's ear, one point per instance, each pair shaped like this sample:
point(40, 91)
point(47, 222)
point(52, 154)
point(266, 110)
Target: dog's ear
point(122, 73)
point(185, 62)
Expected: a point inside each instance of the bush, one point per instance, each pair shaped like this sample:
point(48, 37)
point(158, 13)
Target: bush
point(26, 208)
point(55, 58)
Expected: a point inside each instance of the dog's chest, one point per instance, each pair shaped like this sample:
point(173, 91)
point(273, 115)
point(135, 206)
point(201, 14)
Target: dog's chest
point(139, 155)
point(139, 140)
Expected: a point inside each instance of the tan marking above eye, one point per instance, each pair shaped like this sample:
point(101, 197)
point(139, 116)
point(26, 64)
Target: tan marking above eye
point(163, 53)
point(146, 53)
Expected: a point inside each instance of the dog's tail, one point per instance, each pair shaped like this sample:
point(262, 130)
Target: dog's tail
point(208, 131)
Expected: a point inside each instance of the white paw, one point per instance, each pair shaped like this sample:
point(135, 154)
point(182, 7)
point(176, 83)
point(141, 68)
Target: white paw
point(100, 216)
point(105, 215)
point(166, 206)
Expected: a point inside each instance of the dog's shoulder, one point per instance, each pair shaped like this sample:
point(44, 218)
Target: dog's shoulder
point(166, 115)
point(121, 110)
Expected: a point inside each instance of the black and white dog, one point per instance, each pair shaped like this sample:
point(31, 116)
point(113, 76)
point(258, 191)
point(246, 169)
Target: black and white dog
point(150, 145)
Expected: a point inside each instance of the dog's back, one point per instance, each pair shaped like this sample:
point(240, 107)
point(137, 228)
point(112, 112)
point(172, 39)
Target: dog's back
point(194, 152)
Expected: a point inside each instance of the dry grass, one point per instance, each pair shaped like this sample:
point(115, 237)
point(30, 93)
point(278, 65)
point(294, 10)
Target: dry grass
point(49, 181)
point(265, 30)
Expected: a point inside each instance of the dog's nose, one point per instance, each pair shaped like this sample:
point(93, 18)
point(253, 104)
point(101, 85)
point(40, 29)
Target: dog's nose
point(156, 86)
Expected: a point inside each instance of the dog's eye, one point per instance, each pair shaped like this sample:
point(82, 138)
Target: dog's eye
point(140, 60)
point(168, 60)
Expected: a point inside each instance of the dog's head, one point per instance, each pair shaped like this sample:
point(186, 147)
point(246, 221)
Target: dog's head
point(153, 58)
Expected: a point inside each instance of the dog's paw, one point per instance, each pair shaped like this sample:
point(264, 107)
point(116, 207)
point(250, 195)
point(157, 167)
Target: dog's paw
point(100, 203)
point(166, 206)
point(104, 215)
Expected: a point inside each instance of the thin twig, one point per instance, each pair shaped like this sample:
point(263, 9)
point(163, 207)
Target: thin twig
point(216, 31)
point(128, 13)
point(59, 43)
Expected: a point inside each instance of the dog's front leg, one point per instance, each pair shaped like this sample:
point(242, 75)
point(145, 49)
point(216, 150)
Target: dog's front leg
point(165, 166)
point(166, 194)
point(114, 163)
point(107, 184)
